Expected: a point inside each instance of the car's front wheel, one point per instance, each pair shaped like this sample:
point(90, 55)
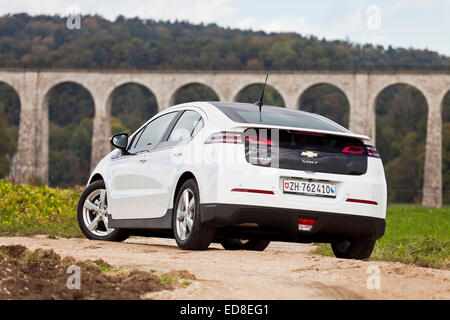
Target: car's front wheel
point(92, 216)
point(353, 249)
point(189, 232)
point(239, 244)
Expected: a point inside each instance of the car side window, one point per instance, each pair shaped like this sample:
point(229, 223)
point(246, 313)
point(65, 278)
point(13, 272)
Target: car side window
point(133, 141)
point(153, 133)
point(198, 127)
point(186, 127)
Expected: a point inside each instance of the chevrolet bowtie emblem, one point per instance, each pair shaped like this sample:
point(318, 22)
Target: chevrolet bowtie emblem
point(309, 154)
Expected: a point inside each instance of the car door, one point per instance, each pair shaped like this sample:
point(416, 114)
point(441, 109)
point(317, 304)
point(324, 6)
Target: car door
point(165, 163)
point(132, 185)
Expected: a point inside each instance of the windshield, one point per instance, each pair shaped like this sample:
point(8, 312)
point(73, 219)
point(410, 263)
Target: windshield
point(248, 113)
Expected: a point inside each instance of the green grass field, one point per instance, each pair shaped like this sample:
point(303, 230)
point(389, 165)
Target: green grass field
point(27, 210)
point(413, 235)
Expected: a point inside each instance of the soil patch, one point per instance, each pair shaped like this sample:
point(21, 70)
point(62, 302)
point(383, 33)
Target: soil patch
point(43, 274)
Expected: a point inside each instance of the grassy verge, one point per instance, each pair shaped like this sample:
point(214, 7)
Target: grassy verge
point(414, 235)
point(27, 210)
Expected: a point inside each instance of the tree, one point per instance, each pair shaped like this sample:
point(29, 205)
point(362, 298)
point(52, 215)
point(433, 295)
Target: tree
point(401, 114)
point(132, 104)
point(195, 92)
point(327, 101)
point(8, 146)
point(252, 93)
point(44, 41)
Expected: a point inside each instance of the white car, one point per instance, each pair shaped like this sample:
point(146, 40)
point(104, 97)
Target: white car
point(228, 173)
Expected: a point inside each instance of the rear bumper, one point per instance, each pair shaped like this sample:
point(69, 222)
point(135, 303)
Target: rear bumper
point(217, 186)
point(282, 224)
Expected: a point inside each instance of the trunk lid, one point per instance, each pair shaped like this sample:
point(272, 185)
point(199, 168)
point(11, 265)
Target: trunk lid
point(306, 150)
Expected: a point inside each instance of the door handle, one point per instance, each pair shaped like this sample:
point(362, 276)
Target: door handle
point(178, 153)
point(143, 160)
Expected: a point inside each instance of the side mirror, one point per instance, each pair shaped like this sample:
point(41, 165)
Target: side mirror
point(120, 141)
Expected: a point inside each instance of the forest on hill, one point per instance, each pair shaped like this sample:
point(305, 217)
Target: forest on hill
point(45, 42)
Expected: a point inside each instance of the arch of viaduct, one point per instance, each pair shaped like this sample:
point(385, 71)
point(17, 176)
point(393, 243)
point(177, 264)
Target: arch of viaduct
point(361, 88)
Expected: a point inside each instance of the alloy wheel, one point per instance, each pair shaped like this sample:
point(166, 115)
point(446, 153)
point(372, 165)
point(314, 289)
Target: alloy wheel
point(95, 210)
point(185, 214)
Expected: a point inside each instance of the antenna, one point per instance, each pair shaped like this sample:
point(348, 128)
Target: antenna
point(260, 102)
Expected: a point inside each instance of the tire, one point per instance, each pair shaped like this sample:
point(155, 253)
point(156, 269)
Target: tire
point(89, 209)
point(353, 249)
point(189, 232)
point(238, 244)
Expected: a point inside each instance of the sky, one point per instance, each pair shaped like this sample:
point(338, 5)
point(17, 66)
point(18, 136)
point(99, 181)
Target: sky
point(420, 24)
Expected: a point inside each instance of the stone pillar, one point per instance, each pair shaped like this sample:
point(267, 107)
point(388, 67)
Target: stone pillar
point(42, 136)
point(361, 115)
point(224, 90)
point(227, 96)
point(222, 96)
point(31, 162)
point(432, 184)
point(163, 98)
point(291, 101)
point(26, 153)
point(101, 131)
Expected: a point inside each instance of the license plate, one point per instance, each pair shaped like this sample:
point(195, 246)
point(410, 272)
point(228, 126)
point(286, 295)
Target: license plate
point(310, 188)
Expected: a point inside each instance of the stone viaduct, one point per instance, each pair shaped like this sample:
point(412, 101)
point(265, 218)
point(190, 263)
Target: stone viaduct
point(361, 89)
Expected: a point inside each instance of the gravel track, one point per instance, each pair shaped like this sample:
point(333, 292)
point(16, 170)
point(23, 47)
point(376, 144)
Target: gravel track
point(282, 271)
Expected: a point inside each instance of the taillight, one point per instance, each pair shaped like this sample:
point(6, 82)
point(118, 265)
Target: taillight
point(372, 152)
point(353, 149)
point(260, 140)
point(258, 146)
point(225, 137)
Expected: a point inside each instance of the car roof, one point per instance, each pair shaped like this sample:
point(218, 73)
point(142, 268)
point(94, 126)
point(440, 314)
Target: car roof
point(221, 114)
point(230, 110)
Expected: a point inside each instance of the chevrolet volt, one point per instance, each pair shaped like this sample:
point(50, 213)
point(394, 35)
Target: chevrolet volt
point(227, 172)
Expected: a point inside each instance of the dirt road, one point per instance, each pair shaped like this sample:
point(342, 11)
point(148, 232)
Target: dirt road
point(282, 271)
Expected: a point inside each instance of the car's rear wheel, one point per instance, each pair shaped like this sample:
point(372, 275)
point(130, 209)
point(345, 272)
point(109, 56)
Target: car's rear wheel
point(189, 232)
point(239, 244)
point(353, 249)
point(92, 216)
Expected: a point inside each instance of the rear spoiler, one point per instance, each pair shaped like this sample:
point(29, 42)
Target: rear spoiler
point(366, 140)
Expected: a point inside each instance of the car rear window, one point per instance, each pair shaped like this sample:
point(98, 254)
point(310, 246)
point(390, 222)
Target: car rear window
point(247, 113)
